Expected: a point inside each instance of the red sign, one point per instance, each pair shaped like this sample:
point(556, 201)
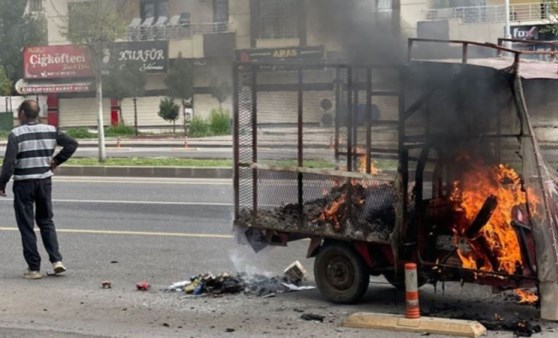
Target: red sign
point(49, 62)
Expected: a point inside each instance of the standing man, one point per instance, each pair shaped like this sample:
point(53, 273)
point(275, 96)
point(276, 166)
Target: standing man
point(29, 158)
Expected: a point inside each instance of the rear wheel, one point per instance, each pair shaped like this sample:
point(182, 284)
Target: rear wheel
point(341, 274)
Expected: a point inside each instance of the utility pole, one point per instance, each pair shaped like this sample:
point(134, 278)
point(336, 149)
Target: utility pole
point(507, 32)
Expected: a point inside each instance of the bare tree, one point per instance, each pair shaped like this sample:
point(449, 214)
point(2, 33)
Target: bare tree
point(96, 24)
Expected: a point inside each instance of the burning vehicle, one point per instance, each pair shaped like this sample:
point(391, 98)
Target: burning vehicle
point(443, 169)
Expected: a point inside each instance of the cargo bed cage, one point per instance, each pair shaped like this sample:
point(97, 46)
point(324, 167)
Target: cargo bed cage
point(305, 131)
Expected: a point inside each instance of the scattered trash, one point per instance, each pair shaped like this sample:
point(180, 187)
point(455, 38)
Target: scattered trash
point(106, 284)
point(166, 325)
point(143, 286)
point(229, 330)
point(295, 272)
point(258, 285)
point(311, 316)
point(293, 287)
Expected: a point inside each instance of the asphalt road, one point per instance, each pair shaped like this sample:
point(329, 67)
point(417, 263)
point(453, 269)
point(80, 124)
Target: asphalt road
point(127, 230)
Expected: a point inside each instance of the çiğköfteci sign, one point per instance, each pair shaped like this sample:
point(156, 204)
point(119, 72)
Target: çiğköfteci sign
point(50, 62)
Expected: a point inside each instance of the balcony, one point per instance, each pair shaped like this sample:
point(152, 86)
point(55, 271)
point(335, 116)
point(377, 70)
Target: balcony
point(177, 27)
point(494, 14)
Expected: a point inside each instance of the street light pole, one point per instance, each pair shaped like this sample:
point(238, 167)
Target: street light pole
point(507, 32)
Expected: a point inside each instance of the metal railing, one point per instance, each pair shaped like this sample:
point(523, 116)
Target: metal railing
point(168, 32)
point(480, 14)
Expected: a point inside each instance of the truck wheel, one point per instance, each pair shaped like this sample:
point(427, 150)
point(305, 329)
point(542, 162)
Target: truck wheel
point(340, 273)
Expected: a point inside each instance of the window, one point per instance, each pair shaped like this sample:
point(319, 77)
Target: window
point(220, 15)
point(154, 8)
point(383, 5)
point(36, 5)
point(278, 19)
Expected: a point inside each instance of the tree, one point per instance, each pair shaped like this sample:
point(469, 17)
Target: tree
point(220, 90)
point(168, 110)
point(5, 83)
point(18, 30)
point(124, 80)
point(180, 80)
point(95, 24)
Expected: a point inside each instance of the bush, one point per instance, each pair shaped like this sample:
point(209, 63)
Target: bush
point(120, 130)
point(199, 127)
point(219, 122)
point(81, 132)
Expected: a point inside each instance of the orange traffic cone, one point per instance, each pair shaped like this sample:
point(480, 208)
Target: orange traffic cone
point(412, 309)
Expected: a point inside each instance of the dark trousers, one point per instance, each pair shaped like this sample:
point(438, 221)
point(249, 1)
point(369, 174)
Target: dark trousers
point(36, 193)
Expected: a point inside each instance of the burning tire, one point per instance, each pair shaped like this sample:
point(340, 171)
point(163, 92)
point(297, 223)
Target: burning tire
point(341, 274)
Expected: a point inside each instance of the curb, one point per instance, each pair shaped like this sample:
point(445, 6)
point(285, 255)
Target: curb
point(163, 172)
point(431, 325)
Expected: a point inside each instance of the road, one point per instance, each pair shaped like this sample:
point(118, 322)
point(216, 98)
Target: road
point(163, 231)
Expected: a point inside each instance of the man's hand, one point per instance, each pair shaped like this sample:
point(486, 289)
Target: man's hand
point(53, 165)
point(3, 193)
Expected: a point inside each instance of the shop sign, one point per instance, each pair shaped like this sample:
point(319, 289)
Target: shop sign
point(24, 88)
point(533, 32)
point(287, 53)
point(50, 62)
point(152, 56)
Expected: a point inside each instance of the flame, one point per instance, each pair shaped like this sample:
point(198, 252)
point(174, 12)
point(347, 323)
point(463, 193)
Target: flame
point(360, 152)
point(498, 245)
point(331, 213)
point(526, 296)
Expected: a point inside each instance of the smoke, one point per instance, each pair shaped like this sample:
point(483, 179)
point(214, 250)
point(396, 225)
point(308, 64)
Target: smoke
point(243, 259)
point(366, 34)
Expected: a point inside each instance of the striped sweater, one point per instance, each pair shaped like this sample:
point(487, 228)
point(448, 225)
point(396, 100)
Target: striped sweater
point(30, 151)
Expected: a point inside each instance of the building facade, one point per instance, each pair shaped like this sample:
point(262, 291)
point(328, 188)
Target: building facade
point(214, 34)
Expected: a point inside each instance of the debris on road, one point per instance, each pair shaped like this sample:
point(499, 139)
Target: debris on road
point(311, 316)
point(143, 286)
point(295, 272)
point(224, 283)
point(106, 284)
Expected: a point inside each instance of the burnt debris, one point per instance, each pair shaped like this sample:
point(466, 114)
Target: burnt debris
point(352, 209)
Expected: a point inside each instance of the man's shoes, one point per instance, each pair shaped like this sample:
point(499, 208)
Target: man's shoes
point(58, 267)
point(29, 274)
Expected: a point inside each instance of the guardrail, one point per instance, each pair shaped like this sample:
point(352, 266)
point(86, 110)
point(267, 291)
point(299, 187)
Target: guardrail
point(480, 14)
point(168, 32)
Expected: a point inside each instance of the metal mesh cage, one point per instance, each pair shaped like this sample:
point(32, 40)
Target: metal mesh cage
point(303, 145)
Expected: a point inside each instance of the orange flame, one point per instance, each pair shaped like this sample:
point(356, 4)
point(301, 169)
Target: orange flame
point(526, 296)
point(360, 152)
point(331, 213)
point(498, 235)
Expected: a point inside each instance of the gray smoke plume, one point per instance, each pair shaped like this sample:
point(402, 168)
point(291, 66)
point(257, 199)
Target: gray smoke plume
point(366, 34)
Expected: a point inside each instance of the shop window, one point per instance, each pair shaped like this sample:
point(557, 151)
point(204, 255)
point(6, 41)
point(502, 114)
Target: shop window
point(278, 19)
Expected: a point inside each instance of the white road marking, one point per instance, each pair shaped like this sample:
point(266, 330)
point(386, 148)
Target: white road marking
point(134, 202)
point(146, 180)
point(133, 233)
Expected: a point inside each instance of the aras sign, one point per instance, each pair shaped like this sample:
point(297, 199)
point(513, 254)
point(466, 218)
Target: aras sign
point(51, 62)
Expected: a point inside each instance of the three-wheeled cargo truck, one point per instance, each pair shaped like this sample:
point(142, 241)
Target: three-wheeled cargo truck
point(431, 162)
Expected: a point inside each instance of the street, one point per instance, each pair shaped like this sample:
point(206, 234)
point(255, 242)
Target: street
point(128, 230)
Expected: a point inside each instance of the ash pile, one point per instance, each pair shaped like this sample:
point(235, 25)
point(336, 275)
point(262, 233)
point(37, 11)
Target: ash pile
point(208, 284)
point(354, 209)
